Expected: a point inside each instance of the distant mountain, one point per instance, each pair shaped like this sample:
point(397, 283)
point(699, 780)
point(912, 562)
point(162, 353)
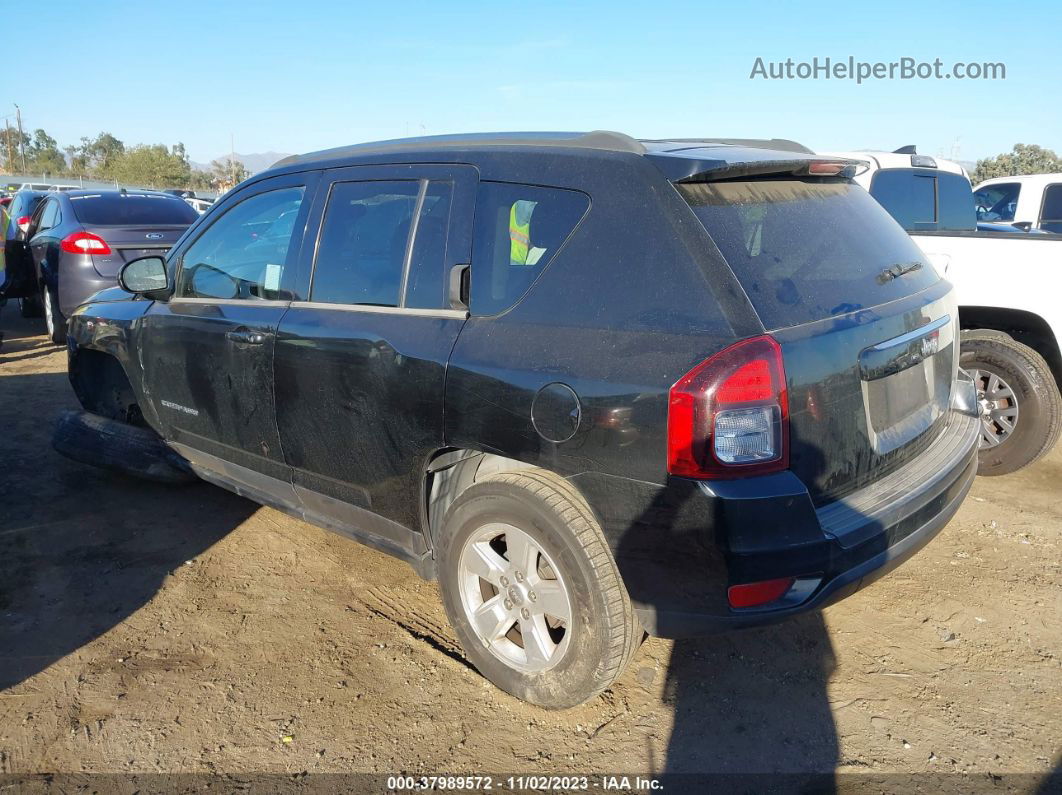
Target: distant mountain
point(255, 162)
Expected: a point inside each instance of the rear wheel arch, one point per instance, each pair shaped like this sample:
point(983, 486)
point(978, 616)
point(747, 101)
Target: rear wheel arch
point(1027, 328)
point(452, 471)
point(567, 596)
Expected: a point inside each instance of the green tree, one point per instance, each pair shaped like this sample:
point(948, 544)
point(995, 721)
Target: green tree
point(98, 155)
point(11, 158)
point(1023, 159)
point(43, 155)
point(201, 180)
point(229, 171)
point(152, 165)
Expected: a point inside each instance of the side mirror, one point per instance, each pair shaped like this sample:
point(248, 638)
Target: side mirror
point(144, 276)
point(1024, 226)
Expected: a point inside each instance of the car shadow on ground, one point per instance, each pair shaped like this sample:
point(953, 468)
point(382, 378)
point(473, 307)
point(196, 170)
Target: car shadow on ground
point(751, 703)
point(29, 332)
point(82, 549)
point(751, 706)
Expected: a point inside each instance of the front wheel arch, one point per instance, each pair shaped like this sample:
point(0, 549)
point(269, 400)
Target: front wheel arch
point(103, 387)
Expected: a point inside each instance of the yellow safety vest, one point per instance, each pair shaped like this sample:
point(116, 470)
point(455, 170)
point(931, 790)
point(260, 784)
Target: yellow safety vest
point(519, 238)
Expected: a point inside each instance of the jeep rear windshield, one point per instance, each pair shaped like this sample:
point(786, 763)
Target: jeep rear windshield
point(808, 249)
point(132, 208)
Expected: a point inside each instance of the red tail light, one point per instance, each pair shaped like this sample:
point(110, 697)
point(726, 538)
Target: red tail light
point(23, 224)
point(823, 169)
point(755, 594)
point(85, 243)
point(728, 417)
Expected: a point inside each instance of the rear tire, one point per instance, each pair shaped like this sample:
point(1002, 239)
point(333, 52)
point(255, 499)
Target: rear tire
point(53, 317)
point(1017, 387)
point(541, 656)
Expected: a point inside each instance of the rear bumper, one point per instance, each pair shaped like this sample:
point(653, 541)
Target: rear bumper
point(767, 527)
point(856, 570)
point(77, 281)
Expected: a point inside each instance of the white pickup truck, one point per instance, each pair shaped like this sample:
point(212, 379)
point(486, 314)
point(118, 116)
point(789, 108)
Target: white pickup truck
point(1031, 202)
point(1009, 286)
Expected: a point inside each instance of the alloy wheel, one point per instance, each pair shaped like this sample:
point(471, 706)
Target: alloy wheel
point(515, 598)
point(999, 408)
point(49, 318)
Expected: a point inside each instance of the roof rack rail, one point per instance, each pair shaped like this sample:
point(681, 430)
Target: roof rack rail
point(596, 139)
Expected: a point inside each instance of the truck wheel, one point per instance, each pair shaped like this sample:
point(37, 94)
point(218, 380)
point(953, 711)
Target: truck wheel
point(1021, 408)
point(53, 317)
point(532, 590)
point(30, 306)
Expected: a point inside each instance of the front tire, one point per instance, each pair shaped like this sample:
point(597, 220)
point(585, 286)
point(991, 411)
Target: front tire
point(53, 317)
point(1021, 407)
point(532, 590)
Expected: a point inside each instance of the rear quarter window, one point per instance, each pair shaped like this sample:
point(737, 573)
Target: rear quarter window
point(908, 197)
point(518, 230)
point(809, 249)
point(133, 209)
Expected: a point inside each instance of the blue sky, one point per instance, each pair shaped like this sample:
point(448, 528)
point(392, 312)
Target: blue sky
point(299, 76)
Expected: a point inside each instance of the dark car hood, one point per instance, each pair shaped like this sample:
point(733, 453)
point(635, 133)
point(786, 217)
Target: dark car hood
point(109, 295)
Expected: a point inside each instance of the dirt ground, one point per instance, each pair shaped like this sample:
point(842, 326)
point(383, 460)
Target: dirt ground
point(152, 628)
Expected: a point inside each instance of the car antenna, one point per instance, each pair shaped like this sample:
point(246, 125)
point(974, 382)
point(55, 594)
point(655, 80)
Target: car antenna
point(905, 150)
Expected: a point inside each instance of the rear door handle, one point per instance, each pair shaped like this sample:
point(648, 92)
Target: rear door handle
point(245, 336)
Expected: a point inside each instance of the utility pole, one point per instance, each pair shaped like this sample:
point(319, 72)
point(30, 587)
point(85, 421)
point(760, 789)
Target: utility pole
point(232, 158)
point(10, 148)
point(21, 141)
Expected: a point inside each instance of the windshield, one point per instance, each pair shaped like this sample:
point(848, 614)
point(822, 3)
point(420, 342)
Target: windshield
point(132, 208)
point(806, 249)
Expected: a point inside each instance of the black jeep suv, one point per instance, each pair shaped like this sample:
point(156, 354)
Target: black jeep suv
point(596, 386)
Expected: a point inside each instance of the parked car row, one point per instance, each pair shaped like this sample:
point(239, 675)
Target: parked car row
point(1032, 202)
point(1006, 284)
point(61, 247)
point(595, 386)
point(8, 190)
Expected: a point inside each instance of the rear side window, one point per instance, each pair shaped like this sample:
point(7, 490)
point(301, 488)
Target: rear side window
point(518, 230)
point(955, 204)
point(997, 202)
point(49, 216)
point(363, 242)
point(909, 198)
point(925, 201)
point(805, 250)
point(1051, 213)
point(426, 287)
point(133, 208)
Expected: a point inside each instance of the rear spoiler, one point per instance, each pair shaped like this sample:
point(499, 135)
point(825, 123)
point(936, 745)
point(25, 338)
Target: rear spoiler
point(717, 163)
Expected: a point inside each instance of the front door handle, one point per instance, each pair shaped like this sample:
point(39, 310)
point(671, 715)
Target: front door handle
point(246, 336)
